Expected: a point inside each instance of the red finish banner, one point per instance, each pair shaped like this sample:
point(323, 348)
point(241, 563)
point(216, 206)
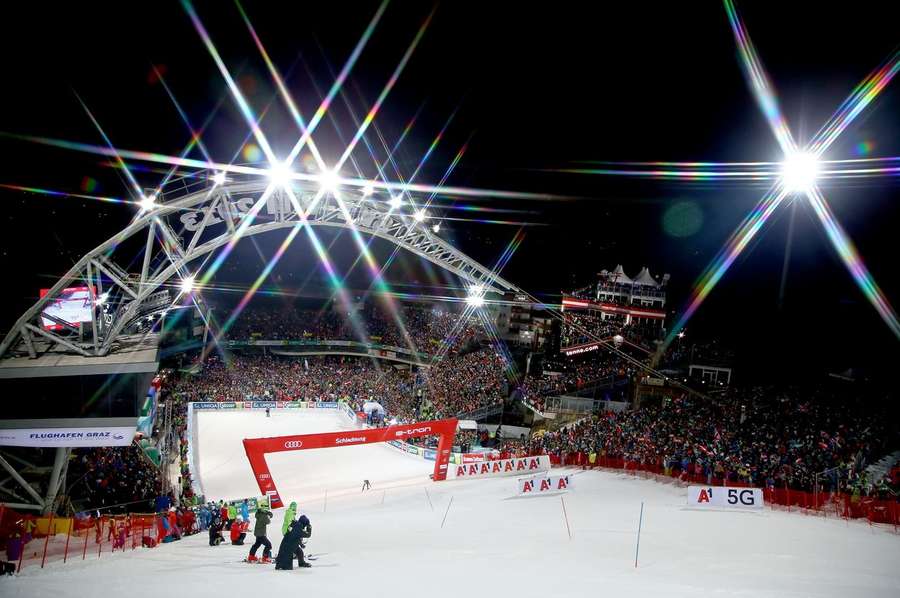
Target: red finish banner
point(257, 448)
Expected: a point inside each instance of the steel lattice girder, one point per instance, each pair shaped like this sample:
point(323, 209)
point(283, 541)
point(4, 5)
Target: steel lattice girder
point(168, 253)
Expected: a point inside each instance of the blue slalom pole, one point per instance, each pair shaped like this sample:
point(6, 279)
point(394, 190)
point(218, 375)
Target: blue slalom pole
point(638, 547)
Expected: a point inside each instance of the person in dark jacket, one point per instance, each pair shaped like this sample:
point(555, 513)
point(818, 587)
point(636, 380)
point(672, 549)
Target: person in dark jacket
point(290, 545)
point(263, 518)
point(215, 532)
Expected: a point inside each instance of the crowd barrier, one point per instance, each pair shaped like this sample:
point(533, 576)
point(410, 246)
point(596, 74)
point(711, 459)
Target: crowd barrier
point(835, 504)
point(49, 540)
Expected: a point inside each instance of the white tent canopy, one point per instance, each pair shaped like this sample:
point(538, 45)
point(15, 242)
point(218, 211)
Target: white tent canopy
point(646, 279)
point(619, 276)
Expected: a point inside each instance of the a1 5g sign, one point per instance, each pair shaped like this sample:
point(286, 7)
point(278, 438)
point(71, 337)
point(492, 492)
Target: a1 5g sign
point(725, 497)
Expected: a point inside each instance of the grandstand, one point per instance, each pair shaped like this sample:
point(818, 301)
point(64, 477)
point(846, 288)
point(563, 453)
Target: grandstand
point(441, 428)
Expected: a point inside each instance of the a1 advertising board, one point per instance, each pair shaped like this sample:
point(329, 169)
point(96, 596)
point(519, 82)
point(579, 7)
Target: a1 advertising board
point(544, 484)
point(503, 467)
point(725, 497)
point(68, 437)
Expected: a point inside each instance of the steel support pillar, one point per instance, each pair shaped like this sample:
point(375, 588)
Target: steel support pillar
point(62, 457)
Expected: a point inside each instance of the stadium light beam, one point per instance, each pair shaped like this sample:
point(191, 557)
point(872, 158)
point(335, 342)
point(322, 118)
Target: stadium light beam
point(147, 203)
point(368, 190)
point(329, 181)
point(420, 216)
point(799, 172)
point(280, 174)
point(187, 285)
point(436, 228)
point(218, 178)
point(395, 202)
point(475, 296)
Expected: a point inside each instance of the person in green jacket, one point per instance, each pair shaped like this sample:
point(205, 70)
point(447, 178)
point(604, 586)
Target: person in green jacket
point(232, 515)
point(289, 515)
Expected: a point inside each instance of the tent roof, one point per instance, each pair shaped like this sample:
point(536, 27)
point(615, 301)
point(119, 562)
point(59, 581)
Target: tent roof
point(619, 276)
point(645, 278)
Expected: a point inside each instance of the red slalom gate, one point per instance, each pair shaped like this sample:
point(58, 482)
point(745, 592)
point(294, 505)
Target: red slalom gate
point(258, 448)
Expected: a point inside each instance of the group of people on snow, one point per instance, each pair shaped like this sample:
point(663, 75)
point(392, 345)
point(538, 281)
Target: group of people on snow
point(294, 530)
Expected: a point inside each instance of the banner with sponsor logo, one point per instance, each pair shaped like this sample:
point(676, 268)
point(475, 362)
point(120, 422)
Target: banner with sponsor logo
point(429, 454)
point(68, 437)
point(725, 497)
point(206, 405)
point(544, 484)
point(503, 467)
point(472, 457)
point(327, 405)
point(257, 448)
point(263, 404)
point(226, 405)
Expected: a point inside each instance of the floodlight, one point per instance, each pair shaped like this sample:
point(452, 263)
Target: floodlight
point(218, 179)
point(475, 297)
point(100, 300)
point(799, 171)
point(280, 174)
point(395, 202)
point(147, 202)
point(436, 228)
point(475, 300)
point(368, 191)
point(187, 285)
point(329, 181)
point(420, 216)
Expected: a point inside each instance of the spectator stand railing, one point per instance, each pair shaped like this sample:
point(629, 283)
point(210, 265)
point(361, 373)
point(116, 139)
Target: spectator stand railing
point(482, 412)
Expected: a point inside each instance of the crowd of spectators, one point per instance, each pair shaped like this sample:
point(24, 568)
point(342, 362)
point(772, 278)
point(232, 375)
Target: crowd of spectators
point(760, 436)
point(421, 328)
point(106, 477)
point(597, 368)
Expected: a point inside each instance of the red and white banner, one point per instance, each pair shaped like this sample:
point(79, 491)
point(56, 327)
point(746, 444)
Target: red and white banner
point(504, 467)
point(258, 448)
point(544, 484)
point(725, 497)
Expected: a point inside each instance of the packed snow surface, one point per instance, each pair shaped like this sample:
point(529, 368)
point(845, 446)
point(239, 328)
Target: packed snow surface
point(389, 540)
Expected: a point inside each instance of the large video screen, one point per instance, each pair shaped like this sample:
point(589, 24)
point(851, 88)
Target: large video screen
point(73, 305)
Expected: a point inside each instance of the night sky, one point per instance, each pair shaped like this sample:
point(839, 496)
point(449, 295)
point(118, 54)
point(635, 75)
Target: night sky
point(532, 88)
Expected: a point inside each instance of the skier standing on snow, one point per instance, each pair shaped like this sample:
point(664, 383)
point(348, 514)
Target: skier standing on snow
point(267, 412)
point(291, 545)
point(366, 485)
point(263, 518)
point(245, 510)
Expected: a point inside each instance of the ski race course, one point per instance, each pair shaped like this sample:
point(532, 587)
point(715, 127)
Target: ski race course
point(389, 540)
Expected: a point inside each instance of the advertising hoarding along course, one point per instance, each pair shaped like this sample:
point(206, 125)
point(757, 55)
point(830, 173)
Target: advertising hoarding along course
point(504, 467)
point(724, 497)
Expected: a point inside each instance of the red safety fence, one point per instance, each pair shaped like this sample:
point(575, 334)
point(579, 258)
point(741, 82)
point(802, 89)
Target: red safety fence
point(29, 540)
point(834, 504)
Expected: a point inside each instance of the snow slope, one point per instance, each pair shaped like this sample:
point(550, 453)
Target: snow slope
point(299, 475)
point(390, 540)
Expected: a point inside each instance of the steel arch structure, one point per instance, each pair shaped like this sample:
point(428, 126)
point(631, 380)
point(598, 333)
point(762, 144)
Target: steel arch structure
point(179, 230)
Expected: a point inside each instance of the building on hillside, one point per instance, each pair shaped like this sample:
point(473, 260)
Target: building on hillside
point(520, 322)
point(637, 301)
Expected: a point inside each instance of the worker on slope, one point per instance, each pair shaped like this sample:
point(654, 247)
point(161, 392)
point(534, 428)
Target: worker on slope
point(289, 515)
point(291, 545)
